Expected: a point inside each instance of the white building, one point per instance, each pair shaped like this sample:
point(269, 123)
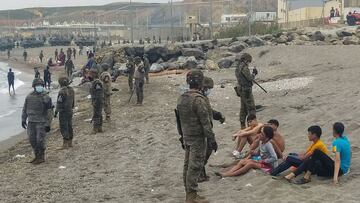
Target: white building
point(233, 18)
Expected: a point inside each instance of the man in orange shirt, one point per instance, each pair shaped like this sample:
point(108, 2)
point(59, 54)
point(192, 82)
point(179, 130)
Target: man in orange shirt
point(314, 134)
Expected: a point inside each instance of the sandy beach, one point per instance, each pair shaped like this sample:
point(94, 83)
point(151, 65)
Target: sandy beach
point(139, 158)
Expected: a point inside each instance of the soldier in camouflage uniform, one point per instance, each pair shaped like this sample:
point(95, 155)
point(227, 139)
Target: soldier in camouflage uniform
point(195, 119)
point(130, 70)
point(97, 99)
point(139, 80)
point(146, 68)
point(64, 106)
point(208, 84)
point(105, 78)
point(36, 118)
point(69, 67)
point(244, 86)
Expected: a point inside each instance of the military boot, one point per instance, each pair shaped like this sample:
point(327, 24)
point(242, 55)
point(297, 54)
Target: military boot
point(33, 160)
point(100, 129)
point(193, 197)
point(108, 118)
point(64, 146)
point(39, 160)
point(94, 131)
point(70, 143)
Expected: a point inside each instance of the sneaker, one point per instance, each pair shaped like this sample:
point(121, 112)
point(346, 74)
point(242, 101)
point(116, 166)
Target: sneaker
point(236, 153)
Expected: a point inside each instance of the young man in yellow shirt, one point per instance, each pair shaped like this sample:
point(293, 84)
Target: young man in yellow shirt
point(314, 134)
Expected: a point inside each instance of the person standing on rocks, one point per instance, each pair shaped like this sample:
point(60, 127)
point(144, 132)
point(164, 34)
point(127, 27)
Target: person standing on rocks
point(69, 67)
point(195, 120)
point(11, 79)
point(64, 107)
point(244, 86)
point(146, 67)
point(131, 70)
point(36, 118)
point(97, 98)
point(139, 80)
point(105, 78)
point(41, 56)
point(208, 84)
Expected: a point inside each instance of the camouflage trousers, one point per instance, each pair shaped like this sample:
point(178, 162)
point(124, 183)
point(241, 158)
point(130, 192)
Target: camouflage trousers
point(37, 134)
point(97, 113)
point(147, 74)
point(193, 164)
point(139, 87)
point(247, 104)
point(208, 153)
point(107, 105)
point(69, 72)
point(66, 129)
point(130, 81)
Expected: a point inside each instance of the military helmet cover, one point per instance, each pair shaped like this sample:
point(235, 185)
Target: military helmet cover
point(208, 82)
point(195, 77)
point(37, 81)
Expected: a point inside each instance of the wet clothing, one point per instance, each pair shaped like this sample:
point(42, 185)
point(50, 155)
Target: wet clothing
point(97, 97)
point(37, 111)
point(65, 104)
point(11, 78)
point(139, 82)
point(196, 125)
point(105, 78)
point(244, 90)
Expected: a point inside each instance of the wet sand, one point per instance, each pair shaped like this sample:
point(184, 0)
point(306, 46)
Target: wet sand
point(139, 158)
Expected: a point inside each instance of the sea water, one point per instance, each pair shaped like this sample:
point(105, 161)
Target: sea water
point(11, 105)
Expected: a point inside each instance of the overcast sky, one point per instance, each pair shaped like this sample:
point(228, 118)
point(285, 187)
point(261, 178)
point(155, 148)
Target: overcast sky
point(16, 4)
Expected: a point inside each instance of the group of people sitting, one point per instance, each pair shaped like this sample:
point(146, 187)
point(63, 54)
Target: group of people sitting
point(267, 147)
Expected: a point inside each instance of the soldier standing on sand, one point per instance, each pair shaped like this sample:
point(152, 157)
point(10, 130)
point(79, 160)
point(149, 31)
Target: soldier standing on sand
point(41, 56)
point(64, 106)
point(208, 84)
point(68, 53)
point(139, 80)
point(244, 86)
point(196, 125)
point(146, 67)
point(74, 53)
point(37, 112)
point(25, 54)
point(105, 78)
point(97, 98)
point(69, 67)
point(131, 70)
point(56, 55)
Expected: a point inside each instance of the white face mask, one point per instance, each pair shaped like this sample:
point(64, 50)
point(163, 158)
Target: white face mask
point(39, 89)
point(207, 92)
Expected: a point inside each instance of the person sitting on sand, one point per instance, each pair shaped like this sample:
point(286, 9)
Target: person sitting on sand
point(263, 158)
point(246, 135)
point(293, 159)
point(277, 141)
point(321, 164)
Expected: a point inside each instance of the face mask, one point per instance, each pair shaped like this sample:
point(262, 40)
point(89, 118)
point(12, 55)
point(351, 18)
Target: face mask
point(39, 89)
point(207, 92)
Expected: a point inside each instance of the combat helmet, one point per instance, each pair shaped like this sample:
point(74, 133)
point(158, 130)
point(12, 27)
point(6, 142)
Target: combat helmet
point(195, 77)
point(245, 57)
point(105, 66)
point(137, 59)
point(63, 81)
point(208, 83)
point(37, 81)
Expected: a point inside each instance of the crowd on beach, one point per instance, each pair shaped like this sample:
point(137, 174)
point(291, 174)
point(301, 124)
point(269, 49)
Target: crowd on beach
point(267, 147)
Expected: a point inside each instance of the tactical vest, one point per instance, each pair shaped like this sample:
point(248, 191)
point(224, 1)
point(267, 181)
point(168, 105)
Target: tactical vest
point(242, 71)
point(190, 122)
point(65, 100)
point(106, 85)
point(97, 90)
point(37, 106)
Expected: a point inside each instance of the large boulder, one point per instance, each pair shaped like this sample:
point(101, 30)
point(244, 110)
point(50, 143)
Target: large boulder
point(226, 62)
point(292, 36)
point(211, 65)
point(282, 39)
point(190, 63)
point(197, 53)
point(134, 50)
point(156, 68)
point(352, 40)
point(267, 37)
point(343, 33)
point(304, 38)
point(318, 36)
point(237, 47)
point(254, 41)
point(170, 66)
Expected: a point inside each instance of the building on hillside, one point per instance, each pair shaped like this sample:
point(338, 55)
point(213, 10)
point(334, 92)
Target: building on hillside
point(233, 18)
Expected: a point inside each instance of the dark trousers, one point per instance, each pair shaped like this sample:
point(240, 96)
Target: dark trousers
point(66, 129)
point(289, 162)
point(97, 112)
point(318, 163)
point(36, 133)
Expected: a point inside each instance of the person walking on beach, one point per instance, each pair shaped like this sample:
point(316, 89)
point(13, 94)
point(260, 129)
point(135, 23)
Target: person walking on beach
point(36, 118)
point(105, 78)
point(196, 126)
point(64, 107)
point(41, 56)
point(47, 77)
point(244, 86)
point(56, 55)
point(11, 79)
point(97, 98)
point(25, 55)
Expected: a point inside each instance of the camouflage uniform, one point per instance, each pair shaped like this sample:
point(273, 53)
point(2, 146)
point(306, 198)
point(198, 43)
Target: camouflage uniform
point(131, 70)
point(69, 67)
point(197, 128)
point(97, 97)
point(105, 78)
point(64, 106)
point(139, 81)
point(146, 68)
point(37, 111)
point(244, 89)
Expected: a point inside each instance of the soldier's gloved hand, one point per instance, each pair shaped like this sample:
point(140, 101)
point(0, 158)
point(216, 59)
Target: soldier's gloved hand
point(47, 129)
point(255, 71)
point(214, 145)
point(23, 124)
